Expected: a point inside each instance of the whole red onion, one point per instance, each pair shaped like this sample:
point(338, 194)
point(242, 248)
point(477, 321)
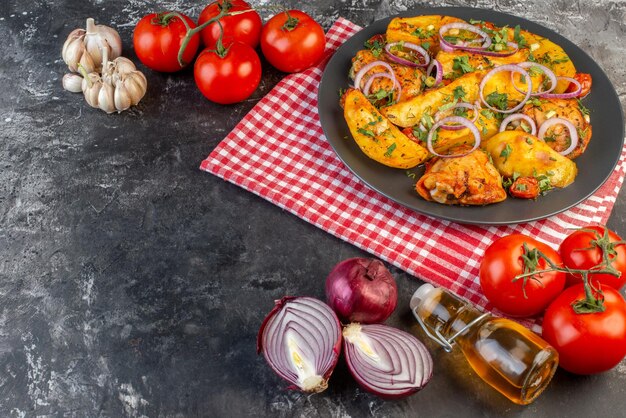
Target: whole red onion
point(361, 290)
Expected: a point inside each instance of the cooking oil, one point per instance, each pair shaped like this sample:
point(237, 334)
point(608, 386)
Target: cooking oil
point(509, 357)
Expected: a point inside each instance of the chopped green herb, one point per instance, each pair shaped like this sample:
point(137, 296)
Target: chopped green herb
point(526, 128)
point(544, 182)
point(459, 93)
point(535, 102)
point(375, 46)
point(487, 113)
point(366, 132)
point(410, 174)
point(426, 45)
point(506, 151)
point(460, 111)
point(520, 187)
point(462, 64)
point(518, 37)
point(534, 71)
point(341, 92)
point(498, 100)
point(447, 106)
point(422, 33)
point(549, 138)
point(421, 134)
point(390, 149)
point(582, 108)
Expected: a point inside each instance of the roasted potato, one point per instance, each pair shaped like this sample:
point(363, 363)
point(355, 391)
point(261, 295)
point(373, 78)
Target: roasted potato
point(516, 153)
point(410, 112)
point(452, 70)
point(419, 30)
point(377, 137)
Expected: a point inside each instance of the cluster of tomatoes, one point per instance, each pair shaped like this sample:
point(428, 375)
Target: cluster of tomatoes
point(576, 289)
point(228, 70)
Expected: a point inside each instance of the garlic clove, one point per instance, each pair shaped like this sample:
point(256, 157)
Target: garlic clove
point(122, 98)
point(73, 53)
point(106, 99)
point(99, 37)
point(91, 86)
point(135, 86)
point(72, 83)
point(73, 36)
point(123, 65)
point(87, 62)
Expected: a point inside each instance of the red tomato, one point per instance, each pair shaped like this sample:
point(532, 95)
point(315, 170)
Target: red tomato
point(228, 79)
point(583, 249)
point(157, 40)
point(590, 342)
point(245, 27)
point(503, 261)
point(525, 188)
point(585, 82)
point(292, 41)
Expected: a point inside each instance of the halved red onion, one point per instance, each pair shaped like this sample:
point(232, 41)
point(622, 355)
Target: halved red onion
point(513, 68)
point(548, 72)
point(449, 47)
point(573, 133)
point(361, 73)
point(569, 95)
point(408, 45)
point(301, 340)
point(452, 119)
point(386, 361)
point(518, 116)
point(439, 115)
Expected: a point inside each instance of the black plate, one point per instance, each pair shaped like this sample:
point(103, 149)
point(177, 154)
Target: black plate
point(594, 166)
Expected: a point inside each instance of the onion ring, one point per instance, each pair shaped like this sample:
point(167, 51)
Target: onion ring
point(452, 119)
point(573, 133)
point(548, 72)
point(438, 74)
point(438, 116)
point(409, 45)
point(361, 73)
point(449, 47)
point(506, 67)
point(517, 116)
point(569, 95)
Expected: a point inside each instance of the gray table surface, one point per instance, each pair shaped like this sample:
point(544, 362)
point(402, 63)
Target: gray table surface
point(132, 284)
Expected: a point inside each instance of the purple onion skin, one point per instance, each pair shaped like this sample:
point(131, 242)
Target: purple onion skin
point(361, 290)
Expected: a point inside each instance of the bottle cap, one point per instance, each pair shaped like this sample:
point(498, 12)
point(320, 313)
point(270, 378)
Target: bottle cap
point(420, 294)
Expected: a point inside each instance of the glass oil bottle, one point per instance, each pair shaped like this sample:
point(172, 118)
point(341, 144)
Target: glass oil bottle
point(512, 359)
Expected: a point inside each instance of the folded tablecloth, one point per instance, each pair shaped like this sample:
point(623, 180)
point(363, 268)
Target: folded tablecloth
point(279, 152)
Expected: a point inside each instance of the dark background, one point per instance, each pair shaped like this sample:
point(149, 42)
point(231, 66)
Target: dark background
point(133, 284)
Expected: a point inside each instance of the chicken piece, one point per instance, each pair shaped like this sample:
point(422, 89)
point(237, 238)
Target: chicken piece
point(377, 137)
point(467, 180)
point(410, 78)
point(558, 137)
point(518, 154)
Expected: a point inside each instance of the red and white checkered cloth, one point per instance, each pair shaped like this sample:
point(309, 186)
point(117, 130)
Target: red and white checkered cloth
point(279, 152)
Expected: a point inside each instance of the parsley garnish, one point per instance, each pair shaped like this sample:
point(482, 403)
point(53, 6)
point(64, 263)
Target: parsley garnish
point(498, 100)
point(487, 113)
point(544, 182)
point(521, 187)
point(462, 64)
point(535, 102)
point(426, 45)
point(460, 111)
point(549, 138)
point(459, 93)
point(423, 34)
point(506, 151)
point(375, 46)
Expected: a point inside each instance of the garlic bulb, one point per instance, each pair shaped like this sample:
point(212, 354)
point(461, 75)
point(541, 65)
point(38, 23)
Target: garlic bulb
point(120, 86)
point(86, 47)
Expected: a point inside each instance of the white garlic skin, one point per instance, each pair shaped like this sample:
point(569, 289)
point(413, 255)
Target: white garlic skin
point(72, 82)
point(89, 47)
